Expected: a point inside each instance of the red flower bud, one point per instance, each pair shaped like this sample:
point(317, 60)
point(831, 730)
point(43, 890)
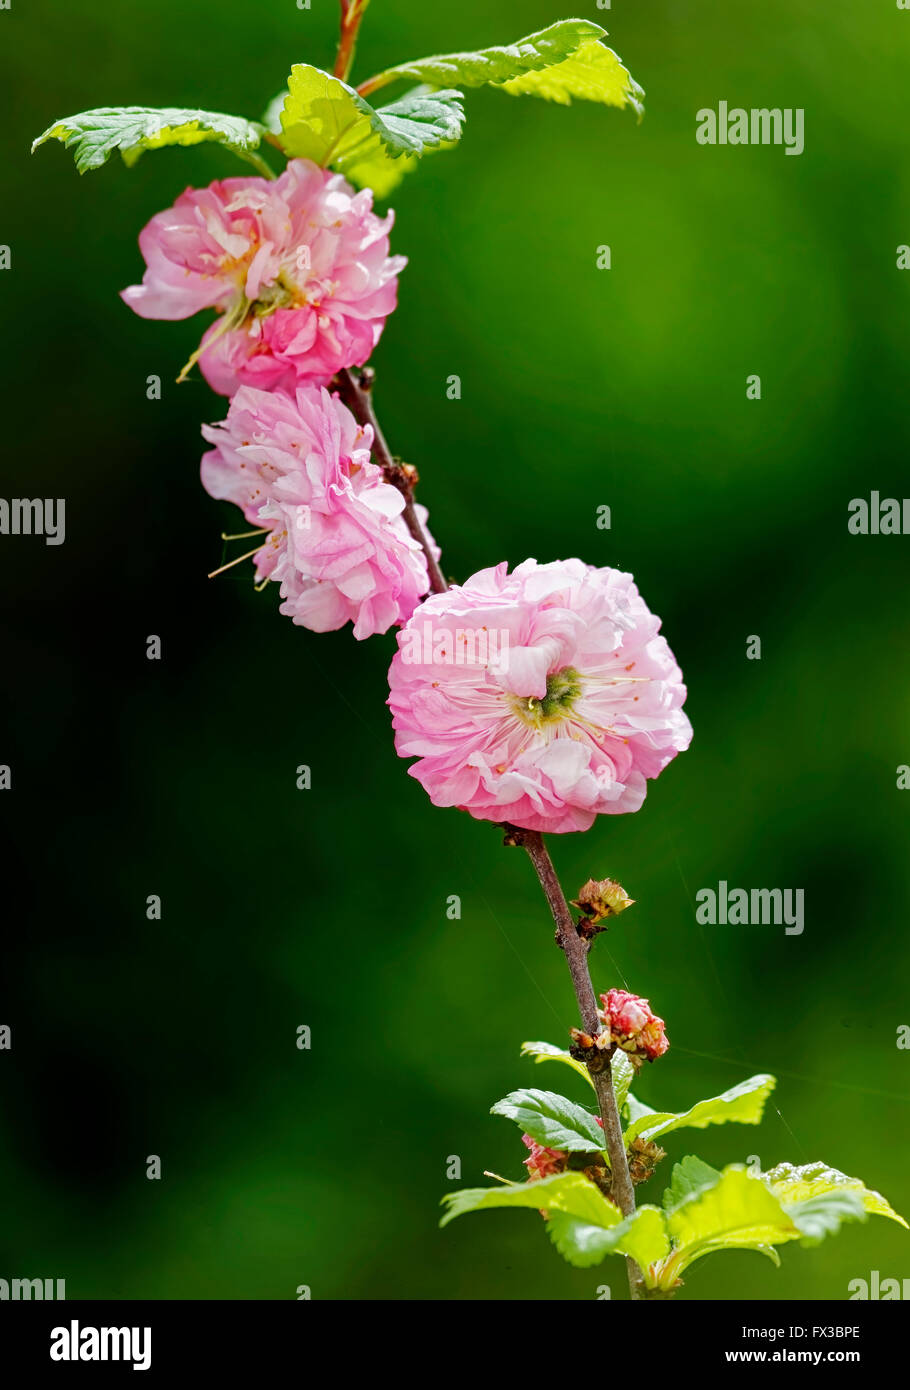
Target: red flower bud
point(630, 1024)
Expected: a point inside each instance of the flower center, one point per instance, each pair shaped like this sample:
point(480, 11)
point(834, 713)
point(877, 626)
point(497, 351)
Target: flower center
point(563, 688)
point(281, 294)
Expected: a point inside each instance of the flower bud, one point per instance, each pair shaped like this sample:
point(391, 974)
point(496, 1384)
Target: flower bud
point(598, 900)
point(630, 1024)
point(543, 1162)
point(643, 1159)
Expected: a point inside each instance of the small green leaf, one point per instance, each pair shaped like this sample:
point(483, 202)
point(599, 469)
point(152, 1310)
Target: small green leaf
point(552, 1120)
point(635, 1108)
point(823, 1215)
point(95, 135)
point(738, 1212)
point(622, 1068)
point(579, 1243)
point(325, 120)
point(688, 1177)
point(548, 1052)
point(592, 73)
point(564, 61)
point(642, 1235)
point(743, 1104)
point(623, 1076)
point(570, 1193)
point(793, 1185)
point(496, 65)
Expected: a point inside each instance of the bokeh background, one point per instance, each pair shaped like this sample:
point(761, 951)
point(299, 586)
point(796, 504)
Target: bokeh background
point(327, 908)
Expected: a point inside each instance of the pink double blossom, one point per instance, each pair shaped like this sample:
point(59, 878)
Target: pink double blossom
point(566, 715)
point(297, 268)
point(299, 466)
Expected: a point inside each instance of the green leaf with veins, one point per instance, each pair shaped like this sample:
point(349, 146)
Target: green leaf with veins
point(94, 136)
point(623, 1071)
point(564, 61)
point(582, 1224)
point(687, 1178)
point(641, 1235)
point(823, 1215)
point(552, 1120)
point(743, 1104)
point(592, 73)
point(548, 1052)
point(795, 1186)
point(737, 1212)
point(570, 1193)
point(323, 119)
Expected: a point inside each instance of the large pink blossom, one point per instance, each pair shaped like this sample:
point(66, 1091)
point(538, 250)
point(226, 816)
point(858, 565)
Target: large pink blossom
point(337, 545)
point(297, 268)
point(540, 698)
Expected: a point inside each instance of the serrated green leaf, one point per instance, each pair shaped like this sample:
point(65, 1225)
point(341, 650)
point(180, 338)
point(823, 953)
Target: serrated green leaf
point(564, 61)
point(687, 1178)
point(739, 1212)
point(823, 1215)
point(552, 1120)
point(497, 65)
point(642, 1235)
point(325, 120)
point(95, 135)
point(570, 1193)
point(636, 1108)
point(743, 1104)
point(793, 1185)
point(623, 1076)
point(580, 1243)
point(592, 73)
point(549, 1052)
point(622, 1068)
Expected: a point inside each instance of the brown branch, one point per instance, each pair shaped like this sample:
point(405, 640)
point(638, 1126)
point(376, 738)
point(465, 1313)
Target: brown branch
point(576, 952)
point(351, 15)
point(355, 387)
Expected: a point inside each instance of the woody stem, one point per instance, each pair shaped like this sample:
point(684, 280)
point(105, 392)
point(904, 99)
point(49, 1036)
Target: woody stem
point(356, 391)
point(351, 15)
point(575, 949)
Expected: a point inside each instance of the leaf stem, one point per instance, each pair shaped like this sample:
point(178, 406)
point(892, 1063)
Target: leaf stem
point(257, 162)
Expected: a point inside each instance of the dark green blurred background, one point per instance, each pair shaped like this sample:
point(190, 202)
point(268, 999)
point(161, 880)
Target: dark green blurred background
point(328, 907)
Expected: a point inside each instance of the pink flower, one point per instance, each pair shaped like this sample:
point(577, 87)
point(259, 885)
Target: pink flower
point(300, 467)
point(540, 698)
point(543, 1162)
point(630, 1024)
point(298, 268)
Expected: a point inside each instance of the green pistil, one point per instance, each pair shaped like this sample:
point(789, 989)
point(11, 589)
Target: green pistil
point(563, 688)
point(281, 294)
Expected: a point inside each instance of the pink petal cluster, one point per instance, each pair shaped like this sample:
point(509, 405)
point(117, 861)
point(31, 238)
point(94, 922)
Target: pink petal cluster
point(630, 1024)
point(543, 1162)
point(541, 698)
point(337, 545)
point(298, 268)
